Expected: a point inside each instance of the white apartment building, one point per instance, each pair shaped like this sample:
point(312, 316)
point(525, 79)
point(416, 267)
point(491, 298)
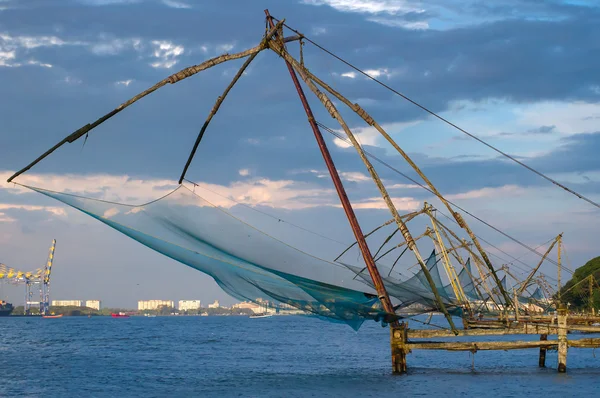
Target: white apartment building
point(67, 303)
point(214, 305)
point(154, 304)
point(187, 305)
point(95, 304)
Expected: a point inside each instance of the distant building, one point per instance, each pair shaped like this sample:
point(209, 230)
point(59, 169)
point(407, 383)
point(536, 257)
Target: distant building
point(255, 308)
point(214, 305)
point(67, 303)
point(187, 305)
point(154, 304)
point(95, 304)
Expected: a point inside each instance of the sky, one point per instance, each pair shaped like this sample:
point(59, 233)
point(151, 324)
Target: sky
point(521, 75)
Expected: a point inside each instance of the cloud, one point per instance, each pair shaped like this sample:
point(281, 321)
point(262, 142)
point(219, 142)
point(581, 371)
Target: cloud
point(176, 4)
point(244, 172)
point(12, 47)
point(378, 72)
point(53, 210)
point(401, 203)
point(167, 54)
point(125, 83)
point(318, 30)
point(370, 136)
point(562, 116)
point(350, 75)
point(400, 23)
point(115, 46)
point(391, 7)
point(504, 191)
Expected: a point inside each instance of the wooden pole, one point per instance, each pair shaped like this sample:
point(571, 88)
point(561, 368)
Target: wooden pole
point(369, 120)
point(542, 361)
point(279, 49)
point(176, 77)
point(562, 339)
point(399, 349)
point(337, 182)
point(559, 269)
point(214, 110)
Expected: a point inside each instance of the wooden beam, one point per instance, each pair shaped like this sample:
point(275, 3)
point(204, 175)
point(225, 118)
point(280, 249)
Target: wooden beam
point(481, 345)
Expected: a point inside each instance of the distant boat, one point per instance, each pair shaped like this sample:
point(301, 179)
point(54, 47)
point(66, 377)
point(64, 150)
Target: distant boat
point(151, 315)
point(260, 315)
point(119, 315)
point(52, 316)
point(6, 308)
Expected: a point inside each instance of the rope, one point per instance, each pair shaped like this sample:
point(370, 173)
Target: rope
point(345, 139)
point(432, 113)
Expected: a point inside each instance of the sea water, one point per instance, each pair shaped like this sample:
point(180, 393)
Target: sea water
point(280, 356)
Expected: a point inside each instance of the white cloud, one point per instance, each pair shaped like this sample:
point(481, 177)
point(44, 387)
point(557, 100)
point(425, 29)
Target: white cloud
point(354, 176)
point(567, 117)
point(34, 62)
point(223, 48)
point(115, 46)
point(167, 53)
point(391, 7)
point(13, 46)
point(6, 58)
point(351, 75)
point(125, 83)
point(282, 194)
point(55, 210)
point(175, 4)
point(72, 80)
point(244, 172)
point(370, 136)
point(400, 23)
point(504, 191)
point(318, 30)
point(401, 203)
point(402, 186)
point(378, 72)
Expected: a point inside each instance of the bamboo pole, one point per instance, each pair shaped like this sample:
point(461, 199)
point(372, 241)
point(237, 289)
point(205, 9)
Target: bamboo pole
point(532, 273)
point(369, 120)
point(459, 258)
point(401, 225)
point(182, 74)
point(214, 110)
point(385, 224)
point(339, 186)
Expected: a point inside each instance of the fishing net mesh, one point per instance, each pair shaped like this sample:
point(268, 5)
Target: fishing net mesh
point(252, 264)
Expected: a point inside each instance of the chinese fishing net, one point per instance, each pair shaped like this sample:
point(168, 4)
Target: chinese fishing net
point(249, 263)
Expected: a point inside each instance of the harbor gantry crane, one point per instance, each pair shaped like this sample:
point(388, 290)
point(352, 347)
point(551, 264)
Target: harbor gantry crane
point(34, 281)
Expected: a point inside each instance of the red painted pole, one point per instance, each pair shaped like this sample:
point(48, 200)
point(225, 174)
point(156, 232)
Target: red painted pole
point(339, 187)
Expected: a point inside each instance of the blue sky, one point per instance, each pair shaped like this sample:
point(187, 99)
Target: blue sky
point(521, 74)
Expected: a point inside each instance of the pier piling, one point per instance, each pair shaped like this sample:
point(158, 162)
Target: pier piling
point(542, 362)
point(399, 348)
point(562, 339)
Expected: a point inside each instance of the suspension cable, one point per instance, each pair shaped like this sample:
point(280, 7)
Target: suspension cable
point(432, 113)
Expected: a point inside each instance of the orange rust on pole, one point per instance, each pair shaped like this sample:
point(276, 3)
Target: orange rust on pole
point(337, 182)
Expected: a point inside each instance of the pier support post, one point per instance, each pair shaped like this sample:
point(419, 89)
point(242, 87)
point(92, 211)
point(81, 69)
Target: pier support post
point(542, 362)
point(399, 350)
point(562, 339)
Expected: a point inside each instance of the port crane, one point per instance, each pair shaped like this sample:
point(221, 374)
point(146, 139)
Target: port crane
point(34, 281)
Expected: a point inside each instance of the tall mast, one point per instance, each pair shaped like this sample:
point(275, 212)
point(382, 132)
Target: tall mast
point(337, 182)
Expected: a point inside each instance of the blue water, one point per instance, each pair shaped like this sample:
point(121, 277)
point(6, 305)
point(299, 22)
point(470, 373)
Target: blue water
point(267, 357)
